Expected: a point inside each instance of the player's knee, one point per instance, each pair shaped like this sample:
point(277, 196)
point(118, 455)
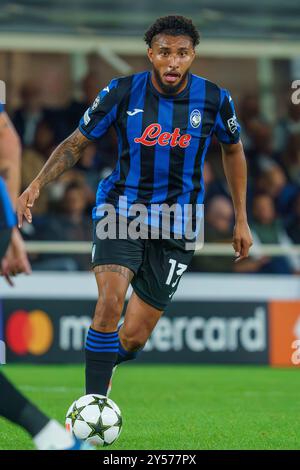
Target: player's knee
point(133, 342)
point(108, 311)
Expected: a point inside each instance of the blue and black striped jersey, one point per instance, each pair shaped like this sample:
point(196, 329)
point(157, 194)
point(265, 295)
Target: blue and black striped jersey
point(162, 139)
point(7, 215)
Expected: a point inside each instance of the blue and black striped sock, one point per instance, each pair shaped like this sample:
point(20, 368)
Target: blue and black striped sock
point(101, 352)
point(124, 355)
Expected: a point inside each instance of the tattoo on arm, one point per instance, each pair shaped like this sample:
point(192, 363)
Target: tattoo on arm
point(115, 268)
point(63, 158)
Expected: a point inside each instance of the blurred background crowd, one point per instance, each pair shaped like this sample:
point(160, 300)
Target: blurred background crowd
point(63, 212)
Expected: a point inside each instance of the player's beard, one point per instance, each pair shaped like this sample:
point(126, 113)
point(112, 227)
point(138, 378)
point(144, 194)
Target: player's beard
point(169, 89)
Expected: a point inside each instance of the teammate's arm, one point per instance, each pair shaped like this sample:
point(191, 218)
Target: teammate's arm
point(235, 169)
point(62, 158)
point(10, 157)
point(15, 261)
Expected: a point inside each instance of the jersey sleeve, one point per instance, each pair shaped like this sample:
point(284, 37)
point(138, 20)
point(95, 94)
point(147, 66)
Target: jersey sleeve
point(1, 108)
point(227, 128)
point(101, 114)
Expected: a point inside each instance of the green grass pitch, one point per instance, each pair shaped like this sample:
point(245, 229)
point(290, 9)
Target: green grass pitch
point(176, 407)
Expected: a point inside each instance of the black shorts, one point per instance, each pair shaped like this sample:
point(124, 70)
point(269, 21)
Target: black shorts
point(5, 235)
point(157, 265)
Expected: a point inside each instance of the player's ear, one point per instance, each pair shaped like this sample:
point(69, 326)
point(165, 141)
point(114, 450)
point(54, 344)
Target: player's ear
point(193, 55)
point(150, 54)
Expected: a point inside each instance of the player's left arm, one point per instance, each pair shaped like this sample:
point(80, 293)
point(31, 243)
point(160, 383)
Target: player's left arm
point(227, 130)
point(235, 168)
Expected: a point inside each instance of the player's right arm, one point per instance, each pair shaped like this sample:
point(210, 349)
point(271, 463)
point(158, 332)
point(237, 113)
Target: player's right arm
point(95, 122)
point(62, 158)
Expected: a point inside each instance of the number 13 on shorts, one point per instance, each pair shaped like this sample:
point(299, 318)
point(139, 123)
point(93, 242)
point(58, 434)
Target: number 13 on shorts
point(176, 269)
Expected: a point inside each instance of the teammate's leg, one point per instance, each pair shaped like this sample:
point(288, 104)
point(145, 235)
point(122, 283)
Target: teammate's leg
point(18, 409)
point(102, 344)
point(46, 433)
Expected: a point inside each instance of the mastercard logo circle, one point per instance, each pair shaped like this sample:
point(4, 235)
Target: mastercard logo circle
point(29, 332)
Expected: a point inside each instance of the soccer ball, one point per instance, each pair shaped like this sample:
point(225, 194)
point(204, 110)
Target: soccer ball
point(95, 419)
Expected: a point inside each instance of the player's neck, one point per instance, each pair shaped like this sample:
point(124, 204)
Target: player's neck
point(157, 86)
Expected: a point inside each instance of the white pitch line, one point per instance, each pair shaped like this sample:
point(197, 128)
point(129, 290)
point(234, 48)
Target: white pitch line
point(33, 388)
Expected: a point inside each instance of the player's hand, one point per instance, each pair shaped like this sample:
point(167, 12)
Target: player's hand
point(242, 240)
point(15, 261)
point(25, 203)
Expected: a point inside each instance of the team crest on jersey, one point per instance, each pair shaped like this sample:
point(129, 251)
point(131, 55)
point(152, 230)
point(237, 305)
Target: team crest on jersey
point(195, 118)
point(96, 103)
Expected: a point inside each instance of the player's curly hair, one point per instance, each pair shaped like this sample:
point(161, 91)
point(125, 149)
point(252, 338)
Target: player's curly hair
point(174, 26)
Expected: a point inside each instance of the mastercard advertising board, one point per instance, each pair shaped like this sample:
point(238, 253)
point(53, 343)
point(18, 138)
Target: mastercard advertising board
point(29, 332)
point(54, 331)
point(35, 333)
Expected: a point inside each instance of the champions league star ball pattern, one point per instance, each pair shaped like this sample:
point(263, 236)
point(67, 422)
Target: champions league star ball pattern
point(95, 419)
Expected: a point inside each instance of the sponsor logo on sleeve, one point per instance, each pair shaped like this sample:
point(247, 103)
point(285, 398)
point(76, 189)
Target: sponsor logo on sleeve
point(86, 117)
point(232, 124)
point(96, 103)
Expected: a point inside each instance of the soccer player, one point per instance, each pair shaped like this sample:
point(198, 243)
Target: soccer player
point(46, 433)
point(164, 120)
